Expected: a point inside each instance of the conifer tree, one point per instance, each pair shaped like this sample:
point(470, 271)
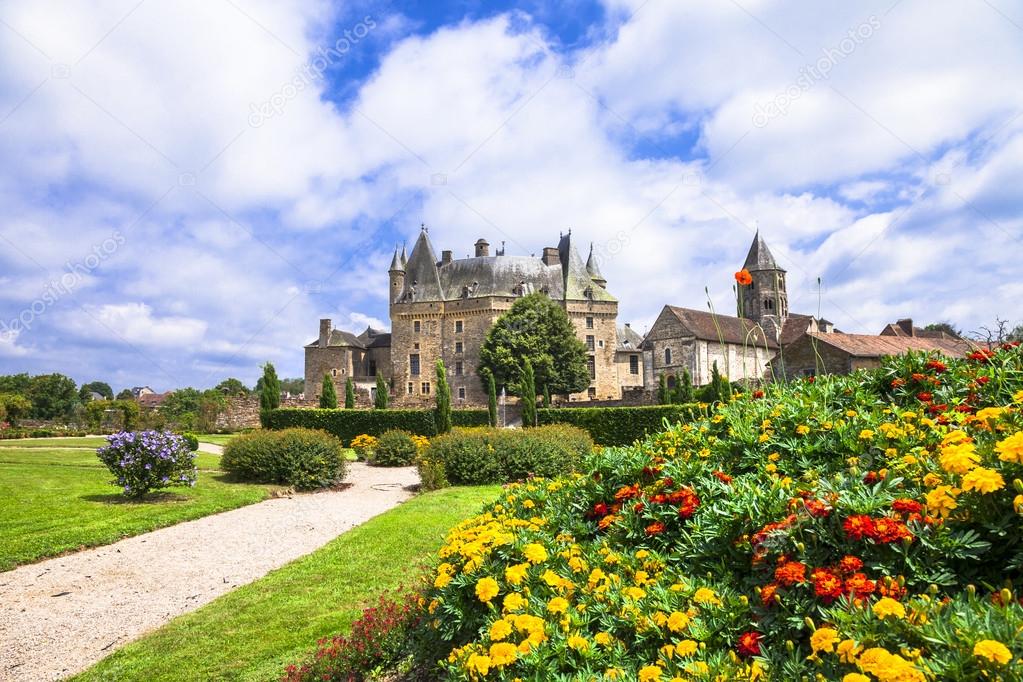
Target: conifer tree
point(349, 394)
point(685, 388)
point(443, 413)
point(527, 393)
point(662, 391)
point(270, 396)
point(381, 399)
point(546, 396)
point(492, 399)
point(328, 394)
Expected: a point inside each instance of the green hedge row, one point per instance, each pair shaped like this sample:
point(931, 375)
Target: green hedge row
point(611, 426)
point(347, 424)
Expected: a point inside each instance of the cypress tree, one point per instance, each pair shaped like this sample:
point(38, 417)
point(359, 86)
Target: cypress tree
point(527, 394)
point(546, 396)
point(443, 413)
point(381, 399)
point(662, 390)
point(349, 394)
point(328, 395)
point(270, 396)
point(492, 398)
point(685, 387)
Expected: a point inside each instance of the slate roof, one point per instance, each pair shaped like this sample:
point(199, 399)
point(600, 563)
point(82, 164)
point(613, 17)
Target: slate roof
point(629, 339)
point(370, 338)
point(869, 346)
point(593, 267)
point(795, 326)
point(708, 327)
point(759, 256)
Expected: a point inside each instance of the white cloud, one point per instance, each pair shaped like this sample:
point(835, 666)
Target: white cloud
point(134, 323)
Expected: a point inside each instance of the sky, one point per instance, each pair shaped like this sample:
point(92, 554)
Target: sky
point(188, 187)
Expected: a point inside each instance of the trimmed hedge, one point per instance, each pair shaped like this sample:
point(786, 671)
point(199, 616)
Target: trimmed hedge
point(611, 426)
point(347, 424)
point(302, 458)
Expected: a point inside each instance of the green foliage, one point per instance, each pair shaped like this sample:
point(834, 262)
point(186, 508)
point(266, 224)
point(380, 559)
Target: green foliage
point(395, 448)
point(527, 394)
point(349, 394)
point(382, 397)
point(663, 397)
point(100, 387)
point(191, 440)
point(96, 413)
point(270, 393)
point(612, 426)
point(190, 409)
point(15, 383)
point(328, 394)
point(491, 399)
point(684, 392)
point(546, 396)
point(125, 394)
point(233, 387)
point(485, 455)
point(14, 407)
point(718, 390)
point(302, 458)
point(443, 413)
point(53, 396)
point(347, 424)
point(470, 416)
point(538, 329)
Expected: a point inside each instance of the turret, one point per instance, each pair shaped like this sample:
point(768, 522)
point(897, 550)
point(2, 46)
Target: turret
point(397, 274)
point(765, 300)
point(593, 268)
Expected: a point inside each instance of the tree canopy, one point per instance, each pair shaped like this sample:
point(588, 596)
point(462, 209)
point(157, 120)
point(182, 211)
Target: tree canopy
point(232, 387)
point(100, 387)
point(537, 328)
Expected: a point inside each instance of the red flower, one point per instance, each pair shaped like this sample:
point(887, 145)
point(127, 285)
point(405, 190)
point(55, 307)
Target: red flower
point(888, 530)
point(758, 394)
point(858, 527)
point(907, 506)
point(897, 383)
point(655, 528)
point(686, 500)
point(981, 356)
point(924, 396)
point(767, 594)
point(850, 564)
point(810, 380)
point(627, 492)
point(723, 477)
point(983, 380)
point(743, 277)
point(871, 477)
point(937, 366)
point(638, 507)
point(749, 644)
point(859, 586)
point(890, 588)
point(826, 585)
point(600, 509)
point(817, 509)
point(918, 376)
point(790, 573)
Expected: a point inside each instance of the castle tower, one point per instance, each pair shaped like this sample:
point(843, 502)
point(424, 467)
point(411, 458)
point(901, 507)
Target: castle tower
point(593, 268)
point(765, 300)
point(397, 274)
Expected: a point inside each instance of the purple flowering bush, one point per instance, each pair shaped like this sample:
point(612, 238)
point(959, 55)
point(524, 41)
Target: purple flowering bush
point(142, 461)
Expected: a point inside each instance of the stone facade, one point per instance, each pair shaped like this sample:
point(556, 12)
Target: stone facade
point(340, 355)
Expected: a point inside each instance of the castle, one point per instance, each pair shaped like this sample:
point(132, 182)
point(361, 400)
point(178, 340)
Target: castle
point(441, 309)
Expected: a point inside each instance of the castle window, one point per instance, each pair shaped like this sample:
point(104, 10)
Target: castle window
point(415, 346)
point(589, 342)
point(461, 392)
point(458, 326)
point(768, 304)
point(591, 392)
point(458, 346)
point(417, 326)
point(600, 343)
point(667, 356)
point(591, 365)
point(413, 364)
point(589, 323)
point(410, 388)
point(372, 368)
point(458, 368)
point(333, 372)
point(425, 388)
point(633, 364)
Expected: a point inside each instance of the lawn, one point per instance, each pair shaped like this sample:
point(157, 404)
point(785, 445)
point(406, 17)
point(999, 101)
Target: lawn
point(73, 442)
point(216, 438)
point(255, 631)
point(56, 500)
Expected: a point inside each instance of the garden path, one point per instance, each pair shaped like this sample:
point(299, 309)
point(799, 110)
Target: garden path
point(59, 616)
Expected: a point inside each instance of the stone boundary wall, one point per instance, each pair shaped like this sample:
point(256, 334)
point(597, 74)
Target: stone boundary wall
point(243, 411)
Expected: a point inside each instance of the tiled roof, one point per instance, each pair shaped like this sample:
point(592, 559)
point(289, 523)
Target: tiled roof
point(869, 346)
point(795, 326)
point(629, 339)
point(709, 327)
point(759, 256)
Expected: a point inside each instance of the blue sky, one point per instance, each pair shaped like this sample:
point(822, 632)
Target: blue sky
point(187, 189)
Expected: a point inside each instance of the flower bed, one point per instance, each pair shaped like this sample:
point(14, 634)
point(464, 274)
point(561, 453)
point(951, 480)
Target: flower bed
point(854, 528)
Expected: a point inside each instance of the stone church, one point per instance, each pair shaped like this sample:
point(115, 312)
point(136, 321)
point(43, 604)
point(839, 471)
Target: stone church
point(441, 309)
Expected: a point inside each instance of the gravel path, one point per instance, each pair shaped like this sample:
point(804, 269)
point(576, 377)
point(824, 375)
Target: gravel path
point(59, 616)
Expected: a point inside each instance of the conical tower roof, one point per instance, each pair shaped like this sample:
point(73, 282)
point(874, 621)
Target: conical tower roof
point(759, 256)
point(421, 271)
point(396, 263)
point(593, 267)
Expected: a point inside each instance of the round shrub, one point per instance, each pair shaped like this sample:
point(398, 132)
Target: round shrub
point(148, 460)
point(468, 456)
point(394, 449)
point(363, 444)
point(302, 458)
point(547, 451)
point(191, 440)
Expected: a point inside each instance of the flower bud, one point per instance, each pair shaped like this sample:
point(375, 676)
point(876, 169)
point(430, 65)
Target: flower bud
point(809, 624)
point(790, 645)
point(1006, 596)
point(971, 590)
point(1018, 485)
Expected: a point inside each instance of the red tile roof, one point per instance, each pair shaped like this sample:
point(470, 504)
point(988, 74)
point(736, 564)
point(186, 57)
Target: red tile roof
point(869, 346)
point(711, 327)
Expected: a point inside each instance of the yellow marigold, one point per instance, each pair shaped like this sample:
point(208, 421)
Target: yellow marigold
point(942, 500)
point(578, 643)
point(802, 429)
point(855, 677)
point(514, 602)
point(931, 480)
point(602, 638)
point(958, 458)
point(478, 663)
point(866, 434)
point(442, 581)
point(634, 593)
point(993, 650)
point(500, 630)
point(650, 673)
point(983, 480)
point(887, 606)
point(534, 553)
point(888, 667)
point(706, 595)
point(486, 589)
point(686, 647)
point(1017, 504)
point(1011, 448)
point(824, 639)
point(677, 621)
point(503, 653)
point(848, 651)
point(515, 574)
point(1017, 397)
point(557, 605)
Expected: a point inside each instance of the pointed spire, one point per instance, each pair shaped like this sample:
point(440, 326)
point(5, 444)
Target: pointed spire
point(396, 262)
point(759, 256)
point(404, 257)
point(593, 268)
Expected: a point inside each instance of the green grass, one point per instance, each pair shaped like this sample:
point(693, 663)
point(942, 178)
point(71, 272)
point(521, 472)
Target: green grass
point(83, 442)
point(216, 438)
point(57, 500)
point(255, 631)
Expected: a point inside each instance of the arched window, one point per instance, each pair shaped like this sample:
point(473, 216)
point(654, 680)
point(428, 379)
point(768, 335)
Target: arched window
point(667, 356)
point(768, 304)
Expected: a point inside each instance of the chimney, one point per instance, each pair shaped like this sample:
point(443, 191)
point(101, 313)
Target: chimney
point(906, 325)
point(445, 257)
point(628, 326)
point(551, 255)
point(324, 332)
point(482, 247)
